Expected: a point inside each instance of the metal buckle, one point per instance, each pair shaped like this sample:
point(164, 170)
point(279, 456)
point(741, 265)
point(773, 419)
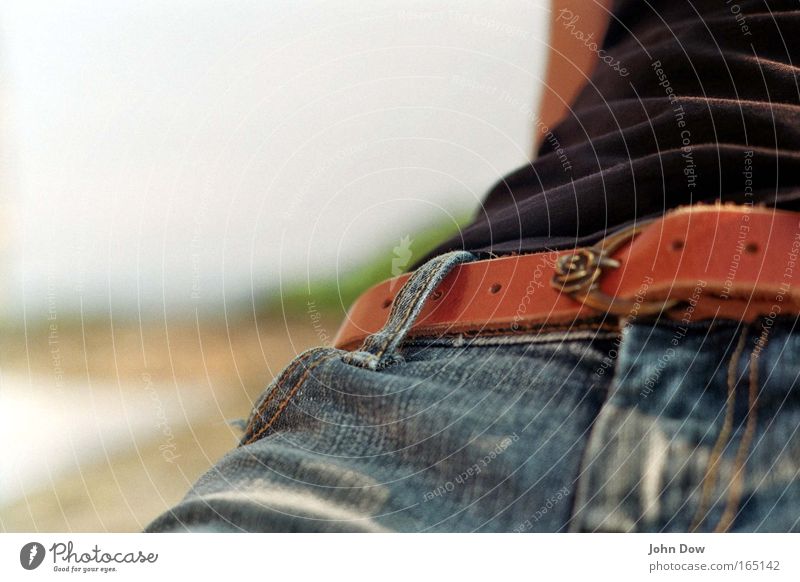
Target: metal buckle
point(578, 276)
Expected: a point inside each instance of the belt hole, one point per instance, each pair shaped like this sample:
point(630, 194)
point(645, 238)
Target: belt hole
point(495, 288)
point(387, 303)
point(437, 295)
point(677, 245)
point(751, 248)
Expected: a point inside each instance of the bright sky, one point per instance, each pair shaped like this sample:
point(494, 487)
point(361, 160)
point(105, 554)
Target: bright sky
point(169, 153)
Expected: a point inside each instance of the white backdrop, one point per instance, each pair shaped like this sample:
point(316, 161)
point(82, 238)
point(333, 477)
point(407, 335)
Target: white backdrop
point(167, 154)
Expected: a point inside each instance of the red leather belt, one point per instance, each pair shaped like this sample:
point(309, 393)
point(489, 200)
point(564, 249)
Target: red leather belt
point(695, 263)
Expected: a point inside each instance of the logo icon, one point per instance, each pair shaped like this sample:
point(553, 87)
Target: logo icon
point(31, 555)
point(401, 259)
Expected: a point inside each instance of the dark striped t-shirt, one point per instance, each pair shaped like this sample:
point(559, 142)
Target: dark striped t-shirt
point(691, 101)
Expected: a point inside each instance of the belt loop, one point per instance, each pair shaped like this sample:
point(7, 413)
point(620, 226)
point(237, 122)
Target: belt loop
point(380, 349)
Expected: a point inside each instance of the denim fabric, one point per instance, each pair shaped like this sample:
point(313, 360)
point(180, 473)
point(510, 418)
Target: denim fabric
point(663, 426)
point(700, 432)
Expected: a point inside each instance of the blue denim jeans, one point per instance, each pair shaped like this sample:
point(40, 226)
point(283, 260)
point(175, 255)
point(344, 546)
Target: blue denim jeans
point(640, 425)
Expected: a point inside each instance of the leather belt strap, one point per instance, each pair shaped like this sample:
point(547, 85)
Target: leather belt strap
point(695, 263)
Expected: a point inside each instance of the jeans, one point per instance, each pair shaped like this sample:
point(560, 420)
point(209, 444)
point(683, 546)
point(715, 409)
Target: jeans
point(635, 425)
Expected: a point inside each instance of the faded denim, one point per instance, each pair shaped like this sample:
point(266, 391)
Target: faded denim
point(661, 426)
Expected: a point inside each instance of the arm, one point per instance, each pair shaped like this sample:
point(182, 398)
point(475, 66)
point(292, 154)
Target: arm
point(570, 61)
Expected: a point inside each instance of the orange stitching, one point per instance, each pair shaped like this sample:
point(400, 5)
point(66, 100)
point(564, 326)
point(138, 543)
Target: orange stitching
point(510, 331)
point(276, 388)
point(710, 477)
point(285, 374)
point(384, 345)
point(291, 394)
point(416, 297)
point(735, 492)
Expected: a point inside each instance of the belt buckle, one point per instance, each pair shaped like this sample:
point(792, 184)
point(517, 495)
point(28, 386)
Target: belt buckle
point(578, 275)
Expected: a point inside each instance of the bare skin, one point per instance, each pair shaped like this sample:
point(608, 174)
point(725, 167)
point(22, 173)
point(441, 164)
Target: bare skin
point(569, 63)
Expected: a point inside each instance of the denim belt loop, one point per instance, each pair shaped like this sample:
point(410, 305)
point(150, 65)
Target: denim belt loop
point(381, 348)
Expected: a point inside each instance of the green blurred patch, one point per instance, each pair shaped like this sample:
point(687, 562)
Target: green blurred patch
point(329, 294)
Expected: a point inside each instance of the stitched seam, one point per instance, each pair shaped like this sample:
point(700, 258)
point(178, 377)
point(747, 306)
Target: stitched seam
point(425, 336)
point(390, 325)
point(414, 300)
point(285, 375)
point(282, 406)
point(581, 482)
point(710, 478)
point(415, 296)
point(539, 328)
point(544, 338)
point(394, 329)
point(396, 302)
point(422, 339)
point(735, 492)
point(256, 414)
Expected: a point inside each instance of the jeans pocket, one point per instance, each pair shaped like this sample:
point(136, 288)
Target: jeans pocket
point(692, 438)
point(268, 409)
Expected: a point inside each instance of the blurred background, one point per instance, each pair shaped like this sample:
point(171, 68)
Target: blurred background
point(192, 192)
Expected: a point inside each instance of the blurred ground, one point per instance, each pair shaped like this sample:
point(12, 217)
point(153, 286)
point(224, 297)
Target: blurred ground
point(105, 423)
point(103, 427)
